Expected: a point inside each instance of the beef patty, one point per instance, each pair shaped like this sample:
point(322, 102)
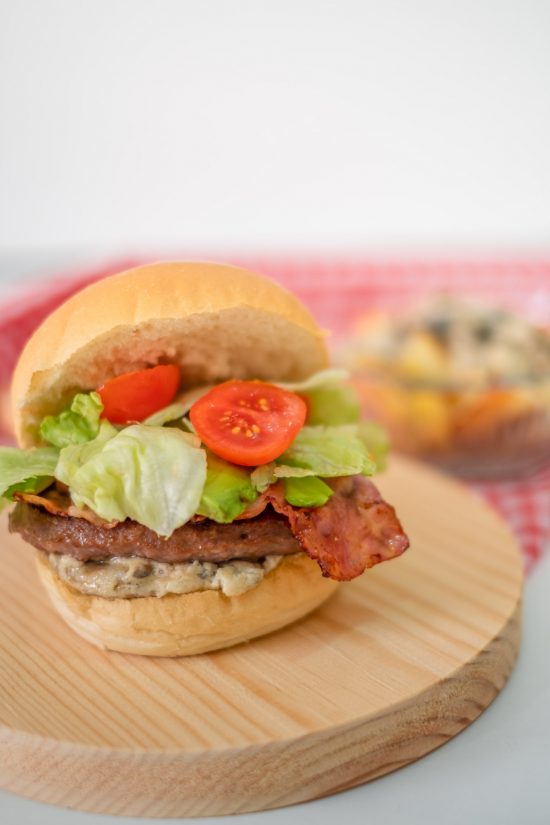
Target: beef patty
point(267, 534)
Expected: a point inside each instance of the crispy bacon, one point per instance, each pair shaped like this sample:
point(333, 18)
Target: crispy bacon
point(255, 507)
point(55, 503)
point(353, 531)
point(58, 502)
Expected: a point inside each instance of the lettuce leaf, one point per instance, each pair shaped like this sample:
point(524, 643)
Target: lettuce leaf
point(376, 441)
point(153, 475)
point(35, 484)
point(26, 470)
point(316, 452)
point(170, 413)
point(302, 487)
point(227, 491)
point(318, 379)
point(307, 492)
point(188, 398)
point(331, 401)
point(74, 456)
point(263, 476)
point(326, 452)
point(179, 408)
point(267, 474)
point(332, 405)
point(78, 424)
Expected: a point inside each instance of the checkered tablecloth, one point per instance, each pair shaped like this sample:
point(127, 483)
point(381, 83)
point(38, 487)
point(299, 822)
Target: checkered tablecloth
point(338, 291)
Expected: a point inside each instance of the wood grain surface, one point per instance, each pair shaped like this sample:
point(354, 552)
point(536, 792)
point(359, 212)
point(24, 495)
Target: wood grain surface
point(394, 665)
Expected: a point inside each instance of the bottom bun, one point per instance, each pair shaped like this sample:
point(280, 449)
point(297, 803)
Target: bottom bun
point(193, 623)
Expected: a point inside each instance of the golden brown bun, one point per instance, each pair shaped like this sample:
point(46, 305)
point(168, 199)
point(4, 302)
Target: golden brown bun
point(195, 622)
point(216, 321)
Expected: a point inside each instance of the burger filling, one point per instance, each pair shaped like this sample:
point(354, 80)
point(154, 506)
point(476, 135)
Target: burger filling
point(132, 576)
point(208, 492)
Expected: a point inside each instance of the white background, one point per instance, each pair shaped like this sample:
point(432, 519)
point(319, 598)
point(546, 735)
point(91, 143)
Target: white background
point(245, 124)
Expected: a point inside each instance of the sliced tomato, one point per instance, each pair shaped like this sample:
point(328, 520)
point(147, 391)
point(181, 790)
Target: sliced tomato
point(136, 395)
point(248, 422)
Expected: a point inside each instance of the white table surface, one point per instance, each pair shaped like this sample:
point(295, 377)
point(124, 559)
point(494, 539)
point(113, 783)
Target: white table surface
point(494, 773)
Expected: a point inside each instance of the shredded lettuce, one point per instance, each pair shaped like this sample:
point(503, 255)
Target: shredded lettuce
point(78, 424)
point(152, 475)
point(227, 490)
point(307, 492)
point(327, 452)
point(26, 470)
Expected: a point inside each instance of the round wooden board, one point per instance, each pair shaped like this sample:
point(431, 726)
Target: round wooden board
point(390, 668)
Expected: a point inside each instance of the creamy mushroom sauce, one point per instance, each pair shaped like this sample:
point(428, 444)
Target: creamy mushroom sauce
point(131, 576)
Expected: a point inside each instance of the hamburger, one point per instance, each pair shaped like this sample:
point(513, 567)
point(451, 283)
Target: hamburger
point(190, 471)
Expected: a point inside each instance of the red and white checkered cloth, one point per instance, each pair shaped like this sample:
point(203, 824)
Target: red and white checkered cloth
point(337, 291)
point(525, 505)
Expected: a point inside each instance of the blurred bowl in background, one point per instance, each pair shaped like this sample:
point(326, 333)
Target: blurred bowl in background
point(462, 385)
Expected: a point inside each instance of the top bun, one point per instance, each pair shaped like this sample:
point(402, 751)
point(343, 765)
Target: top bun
point(216, 321)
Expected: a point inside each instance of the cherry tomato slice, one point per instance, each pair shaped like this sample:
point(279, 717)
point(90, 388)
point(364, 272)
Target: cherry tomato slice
point(136, 395)
point(248, 422)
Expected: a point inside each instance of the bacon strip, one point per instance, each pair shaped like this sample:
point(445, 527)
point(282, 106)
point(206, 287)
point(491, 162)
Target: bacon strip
point(353, 531)
point(54, 502)
point(59, 503)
